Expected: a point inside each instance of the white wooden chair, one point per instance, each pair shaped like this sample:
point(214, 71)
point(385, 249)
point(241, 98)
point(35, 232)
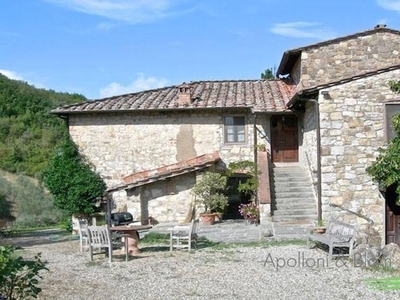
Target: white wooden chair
point(182, 236)
point(100, 239)
point(83, 235)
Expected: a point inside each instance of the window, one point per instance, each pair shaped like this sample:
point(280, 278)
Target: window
point(390, 111)
point(234, 129)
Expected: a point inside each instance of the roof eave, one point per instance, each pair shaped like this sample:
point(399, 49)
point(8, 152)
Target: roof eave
point(66, 113)
point(283, 66)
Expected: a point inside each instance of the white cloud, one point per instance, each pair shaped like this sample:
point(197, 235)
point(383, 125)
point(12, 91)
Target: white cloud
point(389, 4)
point(132, 11)
point(140, 84)
point(11, 74)
point(302, 30)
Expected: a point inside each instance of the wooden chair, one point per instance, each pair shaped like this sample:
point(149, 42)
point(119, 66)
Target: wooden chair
point(337, 235)
point(83, 235)
point(183, 235)
point(100, 239)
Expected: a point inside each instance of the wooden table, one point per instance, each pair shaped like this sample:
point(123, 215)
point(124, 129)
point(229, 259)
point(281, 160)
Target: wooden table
point(131, 232)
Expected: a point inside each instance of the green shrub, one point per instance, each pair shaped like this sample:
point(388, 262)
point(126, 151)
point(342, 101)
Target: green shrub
point(19, 278)
point(69, 177)
point(386, 168)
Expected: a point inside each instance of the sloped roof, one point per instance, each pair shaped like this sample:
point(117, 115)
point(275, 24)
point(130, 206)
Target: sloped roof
point(164, 172)
point(259, 95)
point(314, 89)
point(290, 56)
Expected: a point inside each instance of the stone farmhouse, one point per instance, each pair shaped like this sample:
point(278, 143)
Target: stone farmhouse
point(312, 132)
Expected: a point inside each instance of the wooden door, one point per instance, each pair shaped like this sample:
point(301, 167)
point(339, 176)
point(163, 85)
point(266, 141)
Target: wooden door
point(392, 216)
point(284, 139)
point(392, 227)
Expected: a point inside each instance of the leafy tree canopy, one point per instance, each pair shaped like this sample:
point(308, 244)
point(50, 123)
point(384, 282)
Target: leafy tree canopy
point(28, 133)
point(69, 177)
point(268, 74)
point(386, 168)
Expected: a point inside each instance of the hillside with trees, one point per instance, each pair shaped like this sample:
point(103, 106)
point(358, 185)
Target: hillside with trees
point(28, 133)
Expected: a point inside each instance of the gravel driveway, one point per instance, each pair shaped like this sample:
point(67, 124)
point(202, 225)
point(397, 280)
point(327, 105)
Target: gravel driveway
point(278, 272)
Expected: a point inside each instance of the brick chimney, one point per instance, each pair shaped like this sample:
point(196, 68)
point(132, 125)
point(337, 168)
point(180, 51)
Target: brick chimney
point(184, 98)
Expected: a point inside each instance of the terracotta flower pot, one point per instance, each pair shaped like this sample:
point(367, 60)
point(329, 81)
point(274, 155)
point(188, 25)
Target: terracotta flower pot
point(207, 219)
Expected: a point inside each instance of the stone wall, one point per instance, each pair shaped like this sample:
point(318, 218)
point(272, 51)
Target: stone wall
point(125, 143)
point(308, 147)
point(348, 58)
point(352, 130)
point(169, 200)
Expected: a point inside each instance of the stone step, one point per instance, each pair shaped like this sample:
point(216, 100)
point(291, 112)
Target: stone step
point(294, 212)
point(294, 194)
point(291, 183)
point(291, 175)
point(293, 197)
point(295, 205)
point(296, 199)
point(291, 189)
point(295, 218)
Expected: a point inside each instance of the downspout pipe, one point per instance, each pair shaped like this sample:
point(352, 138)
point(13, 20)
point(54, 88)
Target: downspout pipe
point(255, 153)
point(319, 172)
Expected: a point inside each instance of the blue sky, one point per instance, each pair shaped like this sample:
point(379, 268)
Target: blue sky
point(100, 48)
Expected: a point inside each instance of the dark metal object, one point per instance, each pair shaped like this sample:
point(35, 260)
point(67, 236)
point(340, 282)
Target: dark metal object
point(121, 218)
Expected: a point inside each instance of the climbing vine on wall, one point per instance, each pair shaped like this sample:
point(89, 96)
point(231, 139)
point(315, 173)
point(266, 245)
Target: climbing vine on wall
point(386, 168)
point(395, 86)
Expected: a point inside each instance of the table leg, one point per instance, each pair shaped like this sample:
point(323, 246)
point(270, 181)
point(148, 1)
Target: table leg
point(133, 240)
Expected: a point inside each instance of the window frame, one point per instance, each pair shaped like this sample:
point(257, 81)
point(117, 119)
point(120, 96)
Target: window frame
point(235, 128)
point(388, 114)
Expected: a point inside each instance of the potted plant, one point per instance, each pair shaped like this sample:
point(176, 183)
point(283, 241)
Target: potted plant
point(250, 212)
point(320, 226)
point(209, 193)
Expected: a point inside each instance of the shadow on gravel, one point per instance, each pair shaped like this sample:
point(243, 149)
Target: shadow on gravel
point(39, 237)
point(163, 245)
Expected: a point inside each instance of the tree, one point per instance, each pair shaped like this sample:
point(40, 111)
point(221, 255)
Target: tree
point(386, 168)
point(28, 132)
point(210, 189)
point(268, 74)
point(69, 177)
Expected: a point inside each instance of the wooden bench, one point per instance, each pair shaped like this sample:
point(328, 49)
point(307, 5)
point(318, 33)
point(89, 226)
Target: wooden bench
point(337, 235)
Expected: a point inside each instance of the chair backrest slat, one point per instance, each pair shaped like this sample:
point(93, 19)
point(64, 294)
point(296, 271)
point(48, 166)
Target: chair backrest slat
point(99, 235)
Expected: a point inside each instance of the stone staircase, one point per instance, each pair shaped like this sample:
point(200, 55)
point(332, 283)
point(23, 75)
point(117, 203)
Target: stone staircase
point(293, 199)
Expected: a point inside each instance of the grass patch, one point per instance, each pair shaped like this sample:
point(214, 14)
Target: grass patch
point(385, 284)
point(155, 238)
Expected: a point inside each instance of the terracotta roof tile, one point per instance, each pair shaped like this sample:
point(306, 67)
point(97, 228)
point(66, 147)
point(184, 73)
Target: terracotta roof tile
point(149, 176)
point(260, 95)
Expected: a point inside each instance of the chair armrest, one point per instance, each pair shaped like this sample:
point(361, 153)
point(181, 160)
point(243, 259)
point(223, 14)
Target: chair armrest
point(179, 228)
